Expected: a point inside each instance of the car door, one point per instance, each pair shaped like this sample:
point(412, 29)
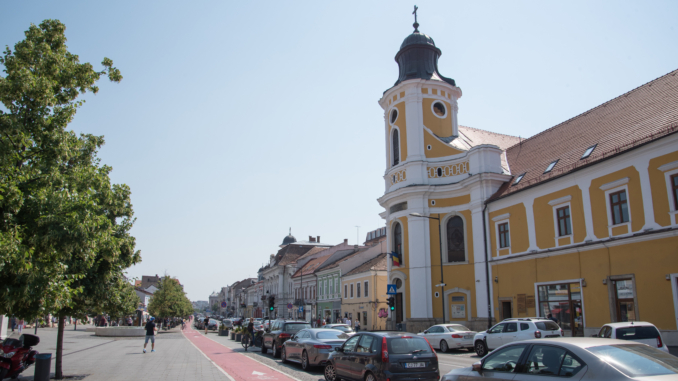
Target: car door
point(501, 364)
point(301, 343)
point(363, 356)
point(292, 346)
point(493, 337)
point(544, 362)
point(434, 335)
point(342, 363)
point(510, 333)
point(269, 337)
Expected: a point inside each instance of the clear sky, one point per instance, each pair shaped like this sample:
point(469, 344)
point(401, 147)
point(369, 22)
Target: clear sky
point(238, 120)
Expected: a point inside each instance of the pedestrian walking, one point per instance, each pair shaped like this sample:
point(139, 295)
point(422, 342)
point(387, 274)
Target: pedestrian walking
point(207, 324)
point(54, 321)
point(21, 326)
point(150, 334)
point(348, 322)
point(357, 325)
point(13, 323)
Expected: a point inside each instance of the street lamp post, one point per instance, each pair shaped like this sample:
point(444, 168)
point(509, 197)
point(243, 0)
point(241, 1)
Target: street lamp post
point(440, 249)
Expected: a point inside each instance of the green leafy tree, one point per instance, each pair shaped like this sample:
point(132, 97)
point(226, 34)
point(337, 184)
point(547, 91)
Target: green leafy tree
point(64, 228)
point(169, 300)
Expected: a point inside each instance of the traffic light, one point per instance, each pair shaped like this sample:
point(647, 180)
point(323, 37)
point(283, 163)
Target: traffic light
point(271, 303)
point(391, 303)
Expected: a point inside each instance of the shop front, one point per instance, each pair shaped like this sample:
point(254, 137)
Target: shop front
point(563, 303)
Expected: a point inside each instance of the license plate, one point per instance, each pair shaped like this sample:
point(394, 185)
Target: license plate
point(468, 337)
point(415, 365)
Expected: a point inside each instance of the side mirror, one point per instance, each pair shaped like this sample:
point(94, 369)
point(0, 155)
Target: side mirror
point(426, 331)
point(477, 367)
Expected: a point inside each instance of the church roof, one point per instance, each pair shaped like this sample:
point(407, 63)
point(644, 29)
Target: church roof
point(642, 115)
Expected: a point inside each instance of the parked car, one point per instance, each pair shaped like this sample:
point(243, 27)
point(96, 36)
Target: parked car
point(213, 325)
point(576, 358)
point(640, 331)
point(312, 347)
point(228, 323)
point(237, 321)
point(446, 336)
point(280, 332)
point(516, 329)
point(377, 356)
point(342, 327)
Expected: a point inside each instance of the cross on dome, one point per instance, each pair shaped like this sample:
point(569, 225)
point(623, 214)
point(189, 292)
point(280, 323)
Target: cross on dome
point(416, 24)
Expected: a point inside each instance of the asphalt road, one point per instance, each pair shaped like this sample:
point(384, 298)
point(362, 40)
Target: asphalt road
point(447, 361)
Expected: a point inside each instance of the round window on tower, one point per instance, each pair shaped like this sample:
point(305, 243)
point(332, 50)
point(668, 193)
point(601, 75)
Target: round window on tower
point(439, 109)
point(394, 116)
point(398, 284)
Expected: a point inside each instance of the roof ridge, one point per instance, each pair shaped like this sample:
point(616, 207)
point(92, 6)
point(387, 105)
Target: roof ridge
point(592, 109)
point(491, 132)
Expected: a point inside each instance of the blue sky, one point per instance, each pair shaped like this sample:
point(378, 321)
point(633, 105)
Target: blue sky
point(235, 121)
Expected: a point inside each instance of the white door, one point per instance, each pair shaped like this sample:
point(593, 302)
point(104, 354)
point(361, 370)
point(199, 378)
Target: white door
point(494, 335)
point(435, 335)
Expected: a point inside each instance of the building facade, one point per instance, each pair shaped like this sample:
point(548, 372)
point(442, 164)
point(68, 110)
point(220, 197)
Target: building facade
point(578, 221)
point(368, 303)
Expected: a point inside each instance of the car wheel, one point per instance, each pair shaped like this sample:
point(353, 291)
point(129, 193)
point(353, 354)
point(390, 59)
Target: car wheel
point(330, 373)
point(283, 355)
point(443, 346)
point(370, 377)
point(304, 361)
point(276, 352)
point(263, 349)
point(481, 348)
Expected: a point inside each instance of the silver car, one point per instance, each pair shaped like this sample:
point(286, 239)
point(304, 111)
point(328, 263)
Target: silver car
point(575, 358)
point(312, 346)
point(342, 327)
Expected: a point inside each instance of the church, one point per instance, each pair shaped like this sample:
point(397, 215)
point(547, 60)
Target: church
point(579, 221)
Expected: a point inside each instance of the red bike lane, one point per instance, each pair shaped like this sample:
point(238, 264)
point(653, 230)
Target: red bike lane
point(237, 366)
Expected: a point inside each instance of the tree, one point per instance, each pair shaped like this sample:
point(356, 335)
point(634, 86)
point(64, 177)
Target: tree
point(169, 300)
point(64, 228)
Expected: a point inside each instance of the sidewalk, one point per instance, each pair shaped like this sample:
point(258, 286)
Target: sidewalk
point(236, 365)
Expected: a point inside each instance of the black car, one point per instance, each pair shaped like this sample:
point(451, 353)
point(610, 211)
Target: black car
point(373, 356)
point(280, 332)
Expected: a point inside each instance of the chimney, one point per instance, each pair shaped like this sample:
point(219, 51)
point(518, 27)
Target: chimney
point(311, 239)
point(345, 241)
point(318, 240)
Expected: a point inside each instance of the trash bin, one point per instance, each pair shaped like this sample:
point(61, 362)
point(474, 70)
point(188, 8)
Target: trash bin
point(43, 366)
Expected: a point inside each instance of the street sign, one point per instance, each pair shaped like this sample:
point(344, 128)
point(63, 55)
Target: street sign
point(391, 289)
point(301, 308)
point(223, 304)
point(289, 306)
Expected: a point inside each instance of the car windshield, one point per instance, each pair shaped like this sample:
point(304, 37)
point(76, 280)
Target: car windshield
point(637, 333)
point(457, 327)
point(296, 327)
point(404, 345)
point(331, 334)
point(344, 328)
point(637, 360)
point(212, 321)
point(547, 325)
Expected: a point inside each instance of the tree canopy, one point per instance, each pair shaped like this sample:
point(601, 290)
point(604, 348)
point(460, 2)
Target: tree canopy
point(169, 300)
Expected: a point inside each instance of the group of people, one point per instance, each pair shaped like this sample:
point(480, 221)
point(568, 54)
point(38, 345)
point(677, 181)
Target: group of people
point(321, 322)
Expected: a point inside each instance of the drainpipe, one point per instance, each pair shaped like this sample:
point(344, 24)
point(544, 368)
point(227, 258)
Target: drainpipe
point(487, 273)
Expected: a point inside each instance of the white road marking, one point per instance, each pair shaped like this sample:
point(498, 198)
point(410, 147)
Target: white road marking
point(257, 373)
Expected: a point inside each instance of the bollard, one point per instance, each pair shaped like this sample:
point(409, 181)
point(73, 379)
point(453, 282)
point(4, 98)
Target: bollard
point(43, 366)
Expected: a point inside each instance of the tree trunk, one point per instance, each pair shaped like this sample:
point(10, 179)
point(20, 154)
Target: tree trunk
point(58, 373)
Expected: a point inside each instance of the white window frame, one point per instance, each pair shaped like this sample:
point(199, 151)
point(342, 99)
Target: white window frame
point(614, 187)
point(557, 204)
point(366, 284)
point(351, 289)
point(443, 233)
point(357, 290)
point(669, 170)
point(504, 218)
point(345, 291)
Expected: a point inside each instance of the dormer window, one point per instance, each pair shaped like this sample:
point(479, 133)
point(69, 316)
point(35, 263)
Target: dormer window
point(550, 167)
point(520, 177)
point(588, 151)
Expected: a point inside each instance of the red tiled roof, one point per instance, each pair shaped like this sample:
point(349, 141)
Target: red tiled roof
point(377, 263)
point(644, 114)
point(311, 266)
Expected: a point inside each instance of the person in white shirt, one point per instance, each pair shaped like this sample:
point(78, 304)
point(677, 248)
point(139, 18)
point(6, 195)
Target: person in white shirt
point(357, 325)
point(348, 322)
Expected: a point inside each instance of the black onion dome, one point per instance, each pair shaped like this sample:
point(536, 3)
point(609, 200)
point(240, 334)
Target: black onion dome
point(418, 58)
point(289, 239)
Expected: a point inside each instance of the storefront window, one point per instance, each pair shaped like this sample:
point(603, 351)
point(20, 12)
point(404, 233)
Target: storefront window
point(625, 304)
point(562, 303)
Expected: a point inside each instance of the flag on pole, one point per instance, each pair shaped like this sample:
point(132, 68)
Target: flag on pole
point(397, 260)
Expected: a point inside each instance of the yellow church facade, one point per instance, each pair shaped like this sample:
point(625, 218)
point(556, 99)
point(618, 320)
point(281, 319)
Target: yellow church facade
point(579, 221)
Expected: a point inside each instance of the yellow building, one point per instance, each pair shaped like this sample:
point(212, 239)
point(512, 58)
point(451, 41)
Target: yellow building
point(367, 298)
point(578, 221)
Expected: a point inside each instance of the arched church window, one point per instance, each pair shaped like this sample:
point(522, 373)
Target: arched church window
point(394, 115)
point(396, 148)
point(456, 251)
point(398, 239)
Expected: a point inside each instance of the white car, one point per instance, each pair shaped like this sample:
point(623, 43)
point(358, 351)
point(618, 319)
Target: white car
point(640, 331)
point(515, 329)
point(446, 336)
